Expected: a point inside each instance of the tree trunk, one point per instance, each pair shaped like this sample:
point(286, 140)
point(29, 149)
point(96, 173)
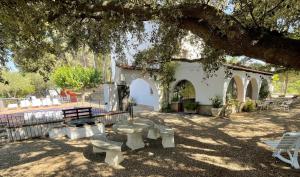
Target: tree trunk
point(286, 81)
point(83, 56)
point(104, 68)
point(96, 63)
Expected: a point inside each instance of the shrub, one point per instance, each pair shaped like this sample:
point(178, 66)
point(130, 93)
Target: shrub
point(132, 101)
point(264, 90)
point(216, 102)
point(166, 107)
point(16, 85)
point(249, 106)
point(76, 78)
point(189, 105)
point(175, 99)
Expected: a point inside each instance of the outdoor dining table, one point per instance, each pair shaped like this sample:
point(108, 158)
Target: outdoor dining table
point(133, 129)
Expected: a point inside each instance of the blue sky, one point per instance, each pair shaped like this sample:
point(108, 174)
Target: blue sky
point(11, 66)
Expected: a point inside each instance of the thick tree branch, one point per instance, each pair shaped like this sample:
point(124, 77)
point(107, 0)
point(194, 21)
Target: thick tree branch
point(216, 28)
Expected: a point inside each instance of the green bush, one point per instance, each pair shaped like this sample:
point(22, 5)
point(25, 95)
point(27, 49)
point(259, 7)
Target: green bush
point(264, 90)
point(175, 99)
point(249, 106)
point(190, 105)
point(76, 78)
point(16, 85)
point(216, 102)
point(166, 107)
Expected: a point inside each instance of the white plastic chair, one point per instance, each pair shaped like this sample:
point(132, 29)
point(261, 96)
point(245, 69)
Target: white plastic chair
point(36, 103)
point(55, 101)
point(25, 104)
point(289, 143)
point(46, 102)
point(12, 106)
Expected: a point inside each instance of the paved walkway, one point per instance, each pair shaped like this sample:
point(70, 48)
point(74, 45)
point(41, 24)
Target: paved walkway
point(205, 146)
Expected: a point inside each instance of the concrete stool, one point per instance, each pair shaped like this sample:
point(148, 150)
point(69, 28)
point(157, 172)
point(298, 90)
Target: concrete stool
point(112, 149)
point(153, 133)
point(167, 136)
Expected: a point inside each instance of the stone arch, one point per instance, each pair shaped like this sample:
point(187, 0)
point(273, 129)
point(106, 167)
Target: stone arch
point(178, 81)
point(145, 92)
point(190, 90)
point(252, 89)
point(264, 89)
point(235, 89)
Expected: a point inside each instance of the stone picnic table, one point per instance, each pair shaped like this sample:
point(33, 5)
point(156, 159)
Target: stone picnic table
point(133, 129)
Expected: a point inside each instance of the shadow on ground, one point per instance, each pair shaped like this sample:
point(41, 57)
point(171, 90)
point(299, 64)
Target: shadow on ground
point(204, 147)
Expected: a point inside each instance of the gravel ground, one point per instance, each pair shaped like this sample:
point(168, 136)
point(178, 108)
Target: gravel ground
point(205, 146)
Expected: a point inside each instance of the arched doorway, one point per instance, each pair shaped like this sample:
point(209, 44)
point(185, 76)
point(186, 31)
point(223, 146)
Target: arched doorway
point(144, 94)
point(264, 90)
point(235, 89)
point(184, 93)
point(252, 90)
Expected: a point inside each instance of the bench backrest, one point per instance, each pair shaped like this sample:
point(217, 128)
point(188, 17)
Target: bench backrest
point(289, 141)
point(76, 113)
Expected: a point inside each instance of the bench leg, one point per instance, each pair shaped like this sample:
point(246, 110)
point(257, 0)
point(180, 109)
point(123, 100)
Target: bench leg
point(153, 133)
point(293, 159)
point(114, 158)
point(168, 141)
point(135, 141)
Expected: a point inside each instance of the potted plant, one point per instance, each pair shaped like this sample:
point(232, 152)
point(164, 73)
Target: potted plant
point(132, 101)
point(190, 107)
point(234, 105)
point(216, 105)
point(175, 104)
point(249, 106)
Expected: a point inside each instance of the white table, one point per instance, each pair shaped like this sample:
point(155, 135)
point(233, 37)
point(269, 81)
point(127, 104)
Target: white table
point(133, 130)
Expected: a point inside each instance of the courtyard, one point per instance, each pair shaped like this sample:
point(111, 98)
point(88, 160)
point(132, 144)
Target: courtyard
point(205, 146)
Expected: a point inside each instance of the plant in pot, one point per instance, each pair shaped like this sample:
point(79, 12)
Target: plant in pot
point(249, 106)
point(175, 104)
point(216, 105)
point(190, 107)
point(132, 101)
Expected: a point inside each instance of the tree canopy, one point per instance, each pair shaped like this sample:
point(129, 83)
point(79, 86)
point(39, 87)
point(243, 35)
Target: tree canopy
point(267, 30)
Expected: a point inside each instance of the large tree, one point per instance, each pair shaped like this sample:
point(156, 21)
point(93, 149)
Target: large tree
point(267, 30)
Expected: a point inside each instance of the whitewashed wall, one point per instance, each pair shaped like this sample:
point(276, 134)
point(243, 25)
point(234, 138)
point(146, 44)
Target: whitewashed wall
point(111, 97)
point(205, 88)
point(140, 90)
point(130, 76)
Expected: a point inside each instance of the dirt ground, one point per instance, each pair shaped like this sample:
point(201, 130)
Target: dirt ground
point(205, 146)
point(62, 106)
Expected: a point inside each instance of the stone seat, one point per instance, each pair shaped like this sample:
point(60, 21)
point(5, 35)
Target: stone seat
point(112, 149)
point(167, 136)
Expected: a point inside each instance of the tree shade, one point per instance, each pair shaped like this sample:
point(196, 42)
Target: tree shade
point(266, 30)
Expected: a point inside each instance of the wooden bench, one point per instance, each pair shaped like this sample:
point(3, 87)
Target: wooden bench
point(76, 113)
point(112, 149)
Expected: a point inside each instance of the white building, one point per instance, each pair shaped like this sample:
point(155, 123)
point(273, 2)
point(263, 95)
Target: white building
point(146, 89)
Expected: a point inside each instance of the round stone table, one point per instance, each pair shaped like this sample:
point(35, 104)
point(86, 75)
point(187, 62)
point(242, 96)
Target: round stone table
point(133, 130)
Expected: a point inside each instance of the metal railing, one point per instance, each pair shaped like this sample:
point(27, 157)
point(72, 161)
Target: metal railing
point(21, 126)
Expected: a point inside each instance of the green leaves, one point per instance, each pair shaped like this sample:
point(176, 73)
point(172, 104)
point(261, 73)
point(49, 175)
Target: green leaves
point(76, 78)
point(16, 85)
